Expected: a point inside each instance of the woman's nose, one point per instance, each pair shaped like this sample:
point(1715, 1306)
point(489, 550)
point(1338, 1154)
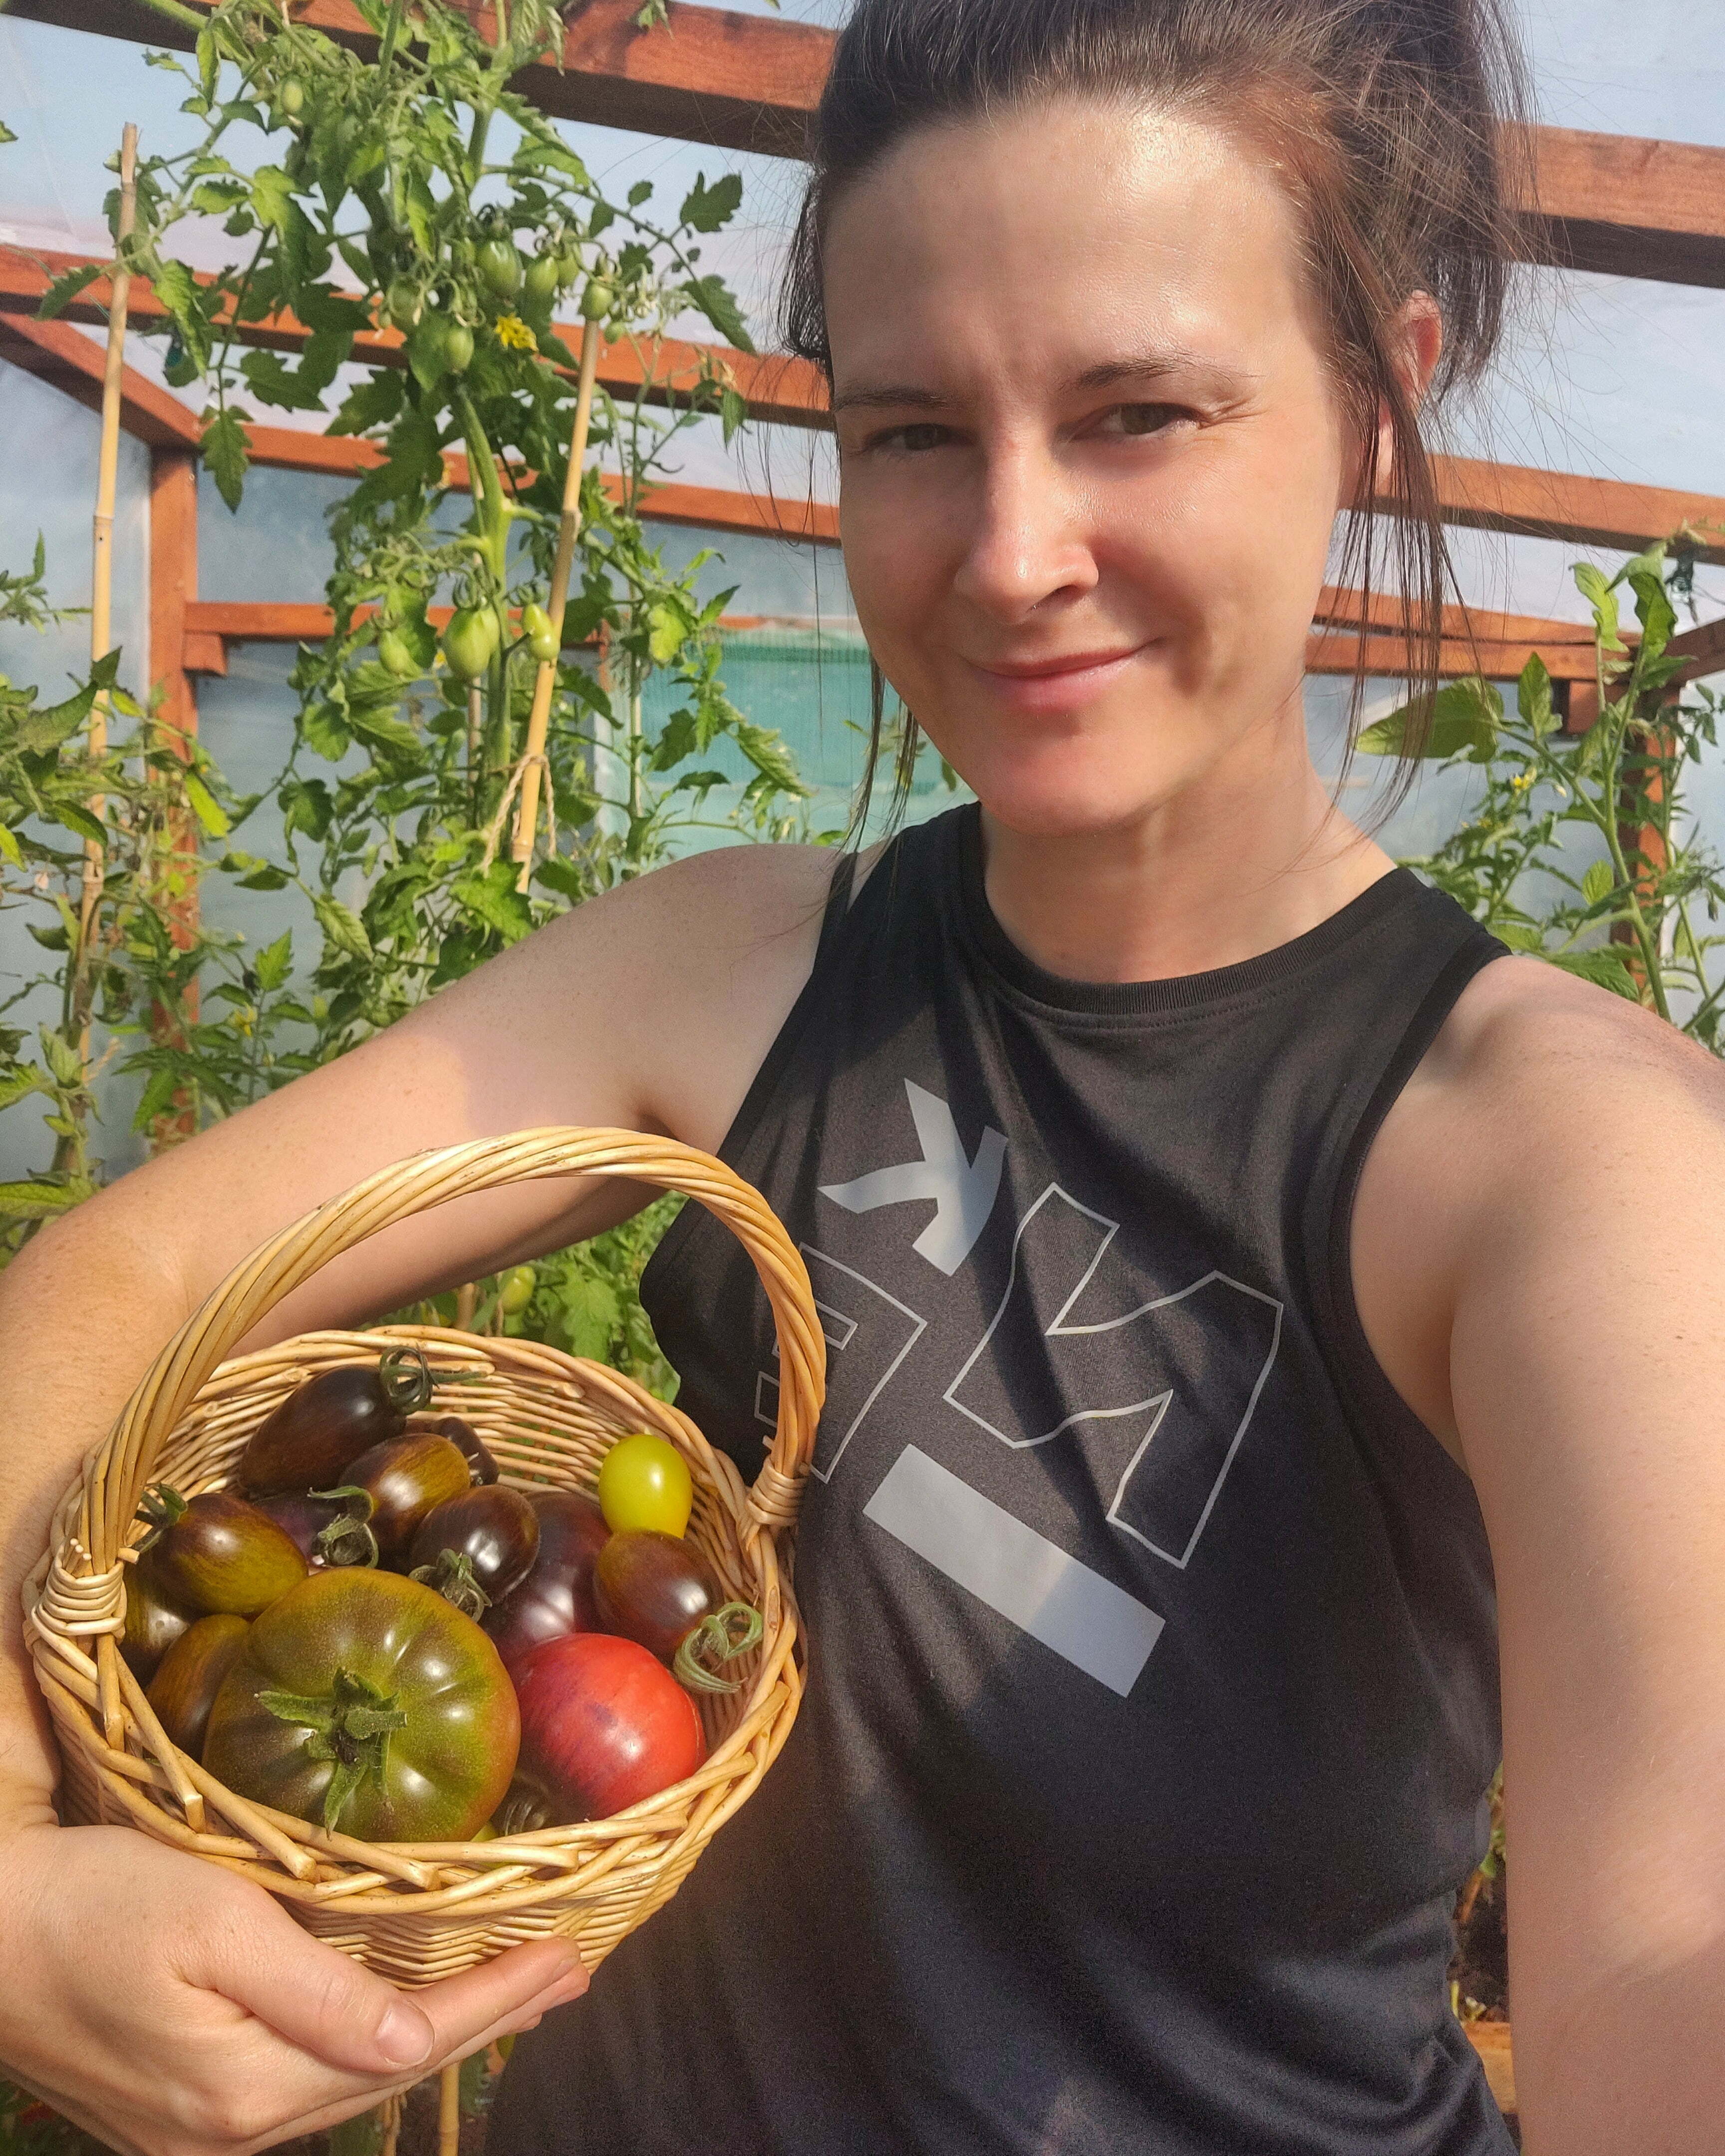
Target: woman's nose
point(1030, 544)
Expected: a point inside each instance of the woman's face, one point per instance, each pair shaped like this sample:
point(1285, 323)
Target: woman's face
point(1089, 455)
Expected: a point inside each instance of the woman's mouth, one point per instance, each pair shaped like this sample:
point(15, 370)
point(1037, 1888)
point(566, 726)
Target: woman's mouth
point(1063, 683)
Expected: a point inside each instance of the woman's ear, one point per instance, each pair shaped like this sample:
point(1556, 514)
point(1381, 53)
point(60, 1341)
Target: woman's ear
point(1415, 342)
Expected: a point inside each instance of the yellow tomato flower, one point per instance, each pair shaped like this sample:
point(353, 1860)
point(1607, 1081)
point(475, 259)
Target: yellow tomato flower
point(513, 331)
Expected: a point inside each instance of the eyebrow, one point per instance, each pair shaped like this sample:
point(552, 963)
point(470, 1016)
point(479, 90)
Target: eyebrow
point(1149, 365)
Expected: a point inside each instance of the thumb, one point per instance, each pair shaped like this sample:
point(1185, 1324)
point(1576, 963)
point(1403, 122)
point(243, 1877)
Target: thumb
point(314, 1996)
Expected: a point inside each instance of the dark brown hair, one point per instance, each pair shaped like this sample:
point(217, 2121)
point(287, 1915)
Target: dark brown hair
point(1383, 119)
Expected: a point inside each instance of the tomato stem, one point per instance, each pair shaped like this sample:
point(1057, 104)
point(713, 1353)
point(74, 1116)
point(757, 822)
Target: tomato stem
point(721, 1636)
point(351, 1727)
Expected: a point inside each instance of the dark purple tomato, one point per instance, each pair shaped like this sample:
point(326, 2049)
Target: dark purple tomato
point(193, 1672)
point(330, 1527)
point(471, 1444)
point(406, 1478)
point(308, 1441)
point(364, 1703)
point(154, 1620)
point(654, 1588)
point(473, 1548)
point(218, 1554)
point(603, 1726)
point(556, 1597)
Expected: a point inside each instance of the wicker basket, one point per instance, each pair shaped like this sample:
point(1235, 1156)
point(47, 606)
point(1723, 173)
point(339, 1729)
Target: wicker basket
point(417, 1912)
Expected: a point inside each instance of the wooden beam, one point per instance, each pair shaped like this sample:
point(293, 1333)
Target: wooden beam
point(790, 391)
point(1567, 506)
point(173, 581)
point(1338, 608)
point(1702, 648)
point(62, 356)
point(1629, 206)
point(1337, 652)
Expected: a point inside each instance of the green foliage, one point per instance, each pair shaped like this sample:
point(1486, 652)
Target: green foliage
point(1638, 917)
point(363, 196)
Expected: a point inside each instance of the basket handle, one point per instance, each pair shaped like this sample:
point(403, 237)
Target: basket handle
point(123, 1463)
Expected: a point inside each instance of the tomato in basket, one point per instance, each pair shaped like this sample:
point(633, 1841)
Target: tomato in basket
point(330, 1420)
point(367, 1704)
point(556, 1598)
point(644, 1481)
point(154, 1620)
point(654, 1588)
point(193, 1672)
point(215, 1553)
point(603, 1725)
point(473, 1548)
point(330, 1527)
point(406, 1478)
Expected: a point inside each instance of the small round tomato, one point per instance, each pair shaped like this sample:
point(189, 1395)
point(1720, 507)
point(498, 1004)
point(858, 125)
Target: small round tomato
point(556, 1597)
point(543, 279)
point(398, 654)
point(365, 1703)
point(516, 1289)
point(644, 1481)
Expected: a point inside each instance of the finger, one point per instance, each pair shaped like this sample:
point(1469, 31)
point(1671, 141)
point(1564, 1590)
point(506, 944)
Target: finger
point(484, 2003)
point(344, 2015)
point(326, 2108)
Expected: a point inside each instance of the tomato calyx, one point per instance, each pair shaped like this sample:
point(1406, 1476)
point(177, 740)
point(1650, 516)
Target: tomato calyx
point(347, 1539)
point(451, 1575)
point(160, 1505)
point(527, 1809)
point(351, 1724)
point(721, 1636)
point(405, 1375)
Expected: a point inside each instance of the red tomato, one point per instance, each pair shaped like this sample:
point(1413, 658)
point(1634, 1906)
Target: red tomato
point(603, 1725)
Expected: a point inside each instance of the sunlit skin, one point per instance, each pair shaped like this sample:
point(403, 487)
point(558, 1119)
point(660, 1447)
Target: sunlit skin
point(1089, 473)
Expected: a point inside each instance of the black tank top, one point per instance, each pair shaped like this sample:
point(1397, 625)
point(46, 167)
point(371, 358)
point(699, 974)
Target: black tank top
point(1153, 1693)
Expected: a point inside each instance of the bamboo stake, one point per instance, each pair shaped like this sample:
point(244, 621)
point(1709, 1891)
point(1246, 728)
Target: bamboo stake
point(527, 814)
point(107, 480)
point(448, 2111)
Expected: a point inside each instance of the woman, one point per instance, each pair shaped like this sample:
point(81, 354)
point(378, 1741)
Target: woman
point(1227, 1253)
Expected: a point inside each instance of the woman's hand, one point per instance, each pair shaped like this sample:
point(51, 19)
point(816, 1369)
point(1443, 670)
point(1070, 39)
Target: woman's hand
point(175, 2009)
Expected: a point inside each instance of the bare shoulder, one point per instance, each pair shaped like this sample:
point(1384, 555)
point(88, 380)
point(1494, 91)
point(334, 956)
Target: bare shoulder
point(1547, 1123)
point(695, 968)
point(1525, 1037)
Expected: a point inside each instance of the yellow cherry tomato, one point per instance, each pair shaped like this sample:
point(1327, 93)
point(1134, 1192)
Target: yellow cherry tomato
point(644, 1482)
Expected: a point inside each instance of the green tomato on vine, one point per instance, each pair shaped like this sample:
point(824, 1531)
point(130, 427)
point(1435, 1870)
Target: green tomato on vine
point(470, 643)
point(541, 638)
point(498, 263)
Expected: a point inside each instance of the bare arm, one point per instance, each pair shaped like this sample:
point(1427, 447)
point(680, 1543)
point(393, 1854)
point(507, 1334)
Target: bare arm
point(650, 1008)
point(1561, 1326)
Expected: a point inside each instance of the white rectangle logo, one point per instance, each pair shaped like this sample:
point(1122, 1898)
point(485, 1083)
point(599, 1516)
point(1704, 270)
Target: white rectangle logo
point(1029, 1580)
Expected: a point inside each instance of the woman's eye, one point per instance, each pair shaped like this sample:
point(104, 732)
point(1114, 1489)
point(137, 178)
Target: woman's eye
point(920, 435)
point(1141, 418)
